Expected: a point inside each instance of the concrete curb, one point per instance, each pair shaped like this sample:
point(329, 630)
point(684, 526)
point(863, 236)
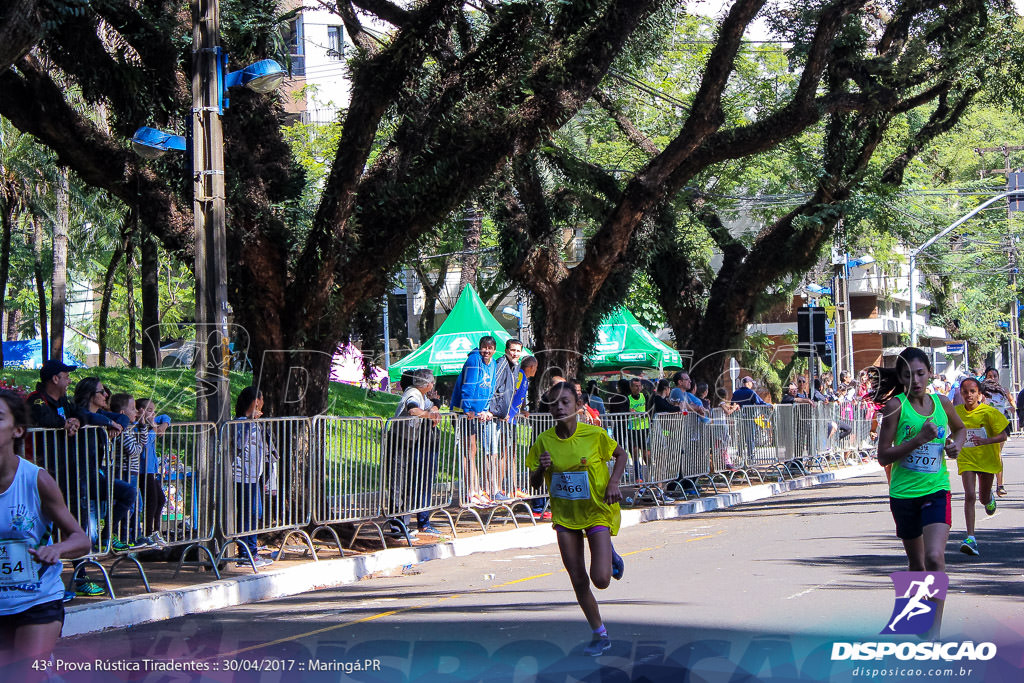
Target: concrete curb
point(268, 585)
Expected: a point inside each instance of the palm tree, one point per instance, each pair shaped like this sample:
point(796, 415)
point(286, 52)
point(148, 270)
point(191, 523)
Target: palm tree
point(25, 173)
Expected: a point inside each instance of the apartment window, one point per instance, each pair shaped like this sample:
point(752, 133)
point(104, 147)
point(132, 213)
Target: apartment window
point(335, 42)
point(293, 39)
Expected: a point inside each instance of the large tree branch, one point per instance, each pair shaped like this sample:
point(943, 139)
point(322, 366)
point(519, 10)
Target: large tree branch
point(531, 255)
point(632, 133)
point(375, 86)
point(21, 27)
point(941, 121)
point(354, 27)
point(388, 11)
point(94, 156)
point(712, 222)
point(648, 187)
point(473, 144)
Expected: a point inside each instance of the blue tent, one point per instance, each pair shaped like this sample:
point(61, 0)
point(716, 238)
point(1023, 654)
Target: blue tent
point(28, 354)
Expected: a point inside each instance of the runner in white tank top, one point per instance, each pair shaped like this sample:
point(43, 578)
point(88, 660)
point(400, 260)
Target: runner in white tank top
point(31, 610)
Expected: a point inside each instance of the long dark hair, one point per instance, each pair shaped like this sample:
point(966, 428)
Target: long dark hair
point(84, 391)
point(887, 380)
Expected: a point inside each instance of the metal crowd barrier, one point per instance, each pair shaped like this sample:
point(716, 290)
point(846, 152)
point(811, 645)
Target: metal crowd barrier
point(264, 471)
point(74, 461)
point(489, 476)
point(708, 454)
point(180, 508)
point(525, 432)
point(87, 467)
point(284, 474)
point(420, 469)
point(346, 473)
point(633, 432)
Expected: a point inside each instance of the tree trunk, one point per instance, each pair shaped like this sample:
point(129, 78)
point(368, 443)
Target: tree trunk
point(558, 337)
point(37, 270)
point(108, 291)
point(295, 382)
point(59, 284)
point(129, 286)
point(5, 269)
point(150, 283)
point(471, 247)
point(13, 324)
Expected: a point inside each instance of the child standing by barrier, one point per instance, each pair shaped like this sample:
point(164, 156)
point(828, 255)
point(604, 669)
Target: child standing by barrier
point(979, 461)
point(151, 425)
point(31, 591)
point(916, 428)
point(571, 458)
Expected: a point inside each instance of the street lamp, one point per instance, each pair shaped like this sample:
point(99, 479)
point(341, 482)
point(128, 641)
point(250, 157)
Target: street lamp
point(945, 231)
point(818, 290)
point(263, 76)
point(210, 82)
point(150, 143)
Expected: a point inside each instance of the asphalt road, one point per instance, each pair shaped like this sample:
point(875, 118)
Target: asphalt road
point(756, 592)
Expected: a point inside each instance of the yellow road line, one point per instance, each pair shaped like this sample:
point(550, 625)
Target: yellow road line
point(454, 596)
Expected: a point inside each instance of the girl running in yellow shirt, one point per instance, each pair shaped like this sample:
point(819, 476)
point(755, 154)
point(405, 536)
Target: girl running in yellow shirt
point(979, 462)
point(571, 458)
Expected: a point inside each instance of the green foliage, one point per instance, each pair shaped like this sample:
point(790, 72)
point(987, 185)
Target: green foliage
point(642, 302)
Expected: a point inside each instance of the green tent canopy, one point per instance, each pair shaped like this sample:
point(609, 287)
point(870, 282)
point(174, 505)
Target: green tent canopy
point(447, 349)
point(622, 342)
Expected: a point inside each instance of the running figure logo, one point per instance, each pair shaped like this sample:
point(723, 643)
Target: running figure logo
point(914, 610)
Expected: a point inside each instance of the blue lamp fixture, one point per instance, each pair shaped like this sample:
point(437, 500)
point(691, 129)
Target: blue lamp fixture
point(818, 290)
point(262, 77)
point(150, 143)
point(865, 260)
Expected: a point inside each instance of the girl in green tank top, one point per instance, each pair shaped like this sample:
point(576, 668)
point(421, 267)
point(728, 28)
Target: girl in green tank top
point(918, 432)
point(924, 470)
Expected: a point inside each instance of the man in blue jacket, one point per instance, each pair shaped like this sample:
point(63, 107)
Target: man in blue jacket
point(472, 395)
point(506, 370)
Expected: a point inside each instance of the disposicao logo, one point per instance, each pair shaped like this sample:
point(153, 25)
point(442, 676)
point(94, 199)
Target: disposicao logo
point(914, 613)
point(916, 593)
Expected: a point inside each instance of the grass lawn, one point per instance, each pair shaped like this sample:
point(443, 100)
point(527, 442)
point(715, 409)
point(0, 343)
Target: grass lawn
point(173, 390)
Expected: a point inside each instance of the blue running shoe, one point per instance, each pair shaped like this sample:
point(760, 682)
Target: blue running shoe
point(598, 646)
point(618, 566)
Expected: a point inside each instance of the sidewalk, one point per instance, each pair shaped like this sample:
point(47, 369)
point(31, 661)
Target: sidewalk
point(193, 592)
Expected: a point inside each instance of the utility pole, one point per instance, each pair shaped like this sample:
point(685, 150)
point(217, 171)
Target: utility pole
point(843, 344)
point(213, 397)
point(1014, 324)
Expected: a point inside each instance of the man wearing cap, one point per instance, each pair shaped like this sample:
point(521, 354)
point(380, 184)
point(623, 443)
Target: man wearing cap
point(49, 403)
point(745, 394)
point(52, 409)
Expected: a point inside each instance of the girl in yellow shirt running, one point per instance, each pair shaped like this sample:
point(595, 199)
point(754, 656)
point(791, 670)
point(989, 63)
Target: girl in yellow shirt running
point(979, 461)
point(572, 459)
